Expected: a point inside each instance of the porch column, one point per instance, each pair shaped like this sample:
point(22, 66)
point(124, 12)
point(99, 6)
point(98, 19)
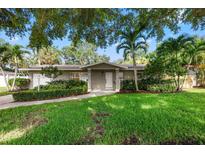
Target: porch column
point(117, 80)
point(89, 80)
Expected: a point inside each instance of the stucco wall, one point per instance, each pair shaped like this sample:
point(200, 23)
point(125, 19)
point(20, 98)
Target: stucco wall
point(44, 80)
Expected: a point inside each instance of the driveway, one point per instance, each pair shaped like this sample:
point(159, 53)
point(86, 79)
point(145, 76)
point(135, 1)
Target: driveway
point(8, 102)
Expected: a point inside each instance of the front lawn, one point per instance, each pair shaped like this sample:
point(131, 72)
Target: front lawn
point(117, 119)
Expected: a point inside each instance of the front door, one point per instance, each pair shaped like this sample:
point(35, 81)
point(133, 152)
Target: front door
point(108, 81)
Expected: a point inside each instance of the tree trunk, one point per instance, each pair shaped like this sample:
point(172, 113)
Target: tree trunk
point(135, 72)
point(186, 73)
point(178, 82)
point(4, 75)
point(14, 80)
point(38, 55)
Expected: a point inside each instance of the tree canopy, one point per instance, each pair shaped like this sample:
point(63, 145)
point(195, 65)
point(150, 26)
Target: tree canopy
point(83, 53)
point(99, 26)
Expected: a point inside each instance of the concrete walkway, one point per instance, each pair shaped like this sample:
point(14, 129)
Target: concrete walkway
point(8, 102)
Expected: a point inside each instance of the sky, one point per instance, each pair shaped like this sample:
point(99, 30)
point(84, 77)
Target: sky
point(110, 51)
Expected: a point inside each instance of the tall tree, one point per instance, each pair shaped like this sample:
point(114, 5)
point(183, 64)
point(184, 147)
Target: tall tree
point(49, 55)
point(171, 52)
point(132, 42)
point(83, 54)
point(14, 21)
point(192, 50)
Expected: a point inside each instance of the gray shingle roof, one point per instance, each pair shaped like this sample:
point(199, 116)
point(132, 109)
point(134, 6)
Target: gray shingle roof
point(77, 67)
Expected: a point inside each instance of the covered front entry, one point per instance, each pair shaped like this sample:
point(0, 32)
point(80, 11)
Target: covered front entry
point(102, 80)
point(103, 77)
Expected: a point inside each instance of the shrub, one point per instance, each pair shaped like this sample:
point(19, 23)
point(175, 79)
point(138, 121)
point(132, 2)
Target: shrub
point(20, 83)
point(64, 84)
point(162, 87)
point(144, 83)
point(51, 72)
point(149, 84)
point(128, 85)
point(30, 95)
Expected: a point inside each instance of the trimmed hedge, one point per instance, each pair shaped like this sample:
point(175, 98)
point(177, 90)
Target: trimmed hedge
point(128, 85)
point(162, 88)
point(149, 85)
point(31, 95)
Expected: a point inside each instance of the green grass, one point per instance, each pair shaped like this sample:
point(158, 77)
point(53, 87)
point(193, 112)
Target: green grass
point(151, 118)
point(3, 91)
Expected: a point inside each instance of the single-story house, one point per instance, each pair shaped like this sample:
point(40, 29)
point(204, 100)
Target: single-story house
point(100, 76)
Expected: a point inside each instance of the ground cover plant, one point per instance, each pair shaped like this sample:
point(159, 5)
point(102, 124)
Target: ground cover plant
point(173, 118)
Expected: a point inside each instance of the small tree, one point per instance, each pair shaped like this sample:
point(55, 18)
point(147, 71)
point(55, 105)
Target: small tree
point(51, 72)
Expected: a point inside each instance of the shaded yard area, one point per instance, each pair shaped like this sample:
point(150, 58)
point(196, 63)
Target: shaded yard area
point(116, 119)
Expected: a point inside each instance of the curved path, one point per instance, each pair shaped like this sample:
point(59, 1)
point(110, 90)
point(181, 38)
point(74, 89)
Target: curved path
point(8, 102)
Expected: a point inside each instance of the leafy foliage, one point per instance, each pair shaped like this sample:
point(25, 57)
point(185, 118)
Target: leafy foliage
point(49, 56)
point(21, 83)
point(51, 72)
point(64, 84)
point(83, 53)
point(149, 84)
point(161, 88)
point(133, 43)
point(46, 94)
point(170, 60)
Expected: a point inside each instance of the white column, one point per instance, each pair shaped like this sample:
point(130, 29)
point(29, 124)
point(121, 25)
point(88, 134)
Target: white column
point(117, 80)
point(89, 80)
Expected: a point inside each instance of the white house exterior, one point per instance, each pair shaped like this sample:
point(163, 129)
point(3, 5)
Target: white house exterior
point(100, 76)
point(9, 75)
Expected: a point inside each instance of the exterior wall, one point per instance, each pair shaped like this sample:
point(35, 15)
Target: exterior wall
point(67, 75)
point(129, 75)
point(10, 76)
point(2, 81)
point(191, 80)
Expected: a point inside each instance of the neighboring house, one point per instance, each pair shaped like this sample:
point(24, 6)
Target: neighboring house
point(8, 74)
point(100, 76)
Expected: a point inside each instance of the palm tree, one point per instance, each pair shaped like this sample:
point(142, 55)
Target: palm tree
point(17, 56)
point(174, 49)
point(5, 54)
point(192, 51)
point(132, 42)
